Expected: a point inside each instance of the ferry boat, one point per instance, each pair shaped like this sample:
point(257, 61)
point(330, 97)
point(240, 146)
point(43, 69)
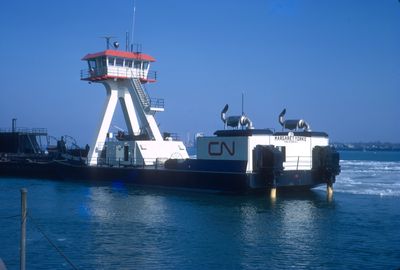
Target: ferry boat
point(238, 158)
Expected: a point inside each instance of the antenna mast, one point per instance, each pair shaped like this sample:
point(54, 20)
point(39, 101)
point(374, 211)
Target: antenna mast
point(108, 39)
point(127, 41)
point(242, 103)
point(133, 23)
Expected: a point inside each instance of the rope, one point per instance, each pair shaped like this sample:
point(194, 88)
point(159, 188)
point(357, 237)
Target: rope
point(14, 216)
point(52, 244)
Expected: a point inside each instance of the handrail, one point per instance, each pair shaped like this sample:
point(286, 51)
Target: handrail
point(173, 136)
point(34, 131)
point(156, 163)
point(296, 162)
point(147, 102)
point(141, 92)
point(157, 103)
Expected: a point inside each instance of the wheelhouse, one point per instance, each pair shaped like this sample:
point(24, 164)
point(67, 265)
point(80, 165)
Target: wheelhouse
point(113, 64)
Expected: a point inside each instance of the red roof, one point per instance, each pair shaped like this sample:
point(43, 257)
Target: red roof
point(130, 55)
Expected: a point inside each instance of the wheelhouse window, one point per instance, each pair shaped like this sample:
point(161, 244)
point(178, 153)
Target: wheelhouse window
point(119, 62)
point(103, 61)
point(128, 63)
point(138, 64)
point(111, 61)
point(92, 63)
point(145, 65)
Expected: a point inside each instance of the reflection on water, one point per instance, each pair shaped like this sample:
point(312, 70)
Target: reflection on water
point(221, 231)
point(285, 232)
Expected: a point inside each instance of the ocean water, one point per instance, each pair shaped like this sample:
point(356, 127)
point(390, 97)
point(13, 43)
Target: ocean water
point(114, 226)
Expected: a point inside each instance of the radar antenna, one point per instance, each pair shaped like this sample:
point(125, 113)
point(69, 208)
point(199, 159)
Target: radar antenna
point(108, 40)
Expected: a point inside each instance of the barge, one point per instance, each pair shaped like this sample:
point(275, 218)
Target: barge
point(239, 158)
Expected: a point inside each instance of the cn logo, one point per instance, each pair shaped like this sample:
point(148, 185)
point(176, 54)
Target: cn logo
point(218, 148)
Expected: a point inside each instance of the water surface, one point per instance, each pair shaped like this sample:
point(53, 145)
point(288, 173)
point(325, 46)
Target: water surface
point(114, 226)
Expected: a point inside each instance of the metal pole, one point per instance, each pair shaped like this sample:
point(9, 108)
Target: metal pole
point(242, 103)
point(24, 191)
point(133, 24)
point(14, 124)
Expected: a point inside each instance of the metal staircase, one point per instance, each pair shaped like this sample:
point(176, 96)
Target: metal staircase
point(143, 97)
point(149, 104)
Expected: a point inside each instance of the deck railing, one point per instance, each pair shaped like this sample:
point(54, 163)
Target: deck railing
point(154, 163)
point(33, 131)
point(298, 163)
point(118, 72)
point(157, 103)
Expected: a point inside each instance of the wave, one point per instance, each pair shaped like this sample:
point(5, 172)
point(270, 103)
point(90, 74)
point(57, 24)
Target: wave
point(383, 165)
point(380, 178)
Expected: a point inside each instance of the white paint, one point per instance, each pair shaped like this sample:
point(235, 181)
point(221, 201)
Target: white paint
point(108, 112)
point(143, 152)
point(127, 72)
point(152, 152)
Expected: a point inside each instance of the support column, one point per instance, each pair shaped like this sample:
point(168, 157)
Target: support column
point(131, 120)
point(154, 127)
point(273, 193)
point(108, 112)
point(329, 190)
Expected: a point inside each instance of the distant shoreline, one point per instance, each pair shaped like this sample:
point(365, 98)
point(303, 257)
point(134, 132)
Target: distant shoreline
point(370, 147)
point(368, 150)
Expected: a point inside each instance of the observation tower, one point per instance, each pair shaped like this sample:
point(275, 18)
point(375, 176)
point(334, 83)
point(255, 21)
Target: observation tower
point(124, 74)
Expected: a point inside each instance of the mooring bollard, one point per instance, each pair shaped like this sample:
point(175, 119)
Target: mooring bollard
point(24, 191)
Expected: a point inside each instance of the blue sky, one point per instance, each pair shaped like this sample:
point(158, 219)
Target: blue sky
point(333, 63)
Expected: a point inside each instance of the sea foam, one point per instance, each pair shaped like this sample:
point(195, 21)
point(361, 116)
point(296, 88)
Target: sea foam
point(380, 178)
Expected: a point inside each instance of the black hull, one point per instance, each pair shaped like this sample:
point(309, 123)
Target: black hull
point(212, 181)
point(226, 182)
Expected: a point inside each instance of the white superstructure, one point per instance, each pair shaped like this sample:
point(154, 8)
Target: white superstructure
point(295, 145)
point(124, 74)
point(240, 145)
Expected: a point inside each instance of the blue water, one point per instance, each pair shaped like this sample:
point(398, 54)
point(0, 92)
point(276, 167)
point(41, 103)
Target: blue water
point(125, 227)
